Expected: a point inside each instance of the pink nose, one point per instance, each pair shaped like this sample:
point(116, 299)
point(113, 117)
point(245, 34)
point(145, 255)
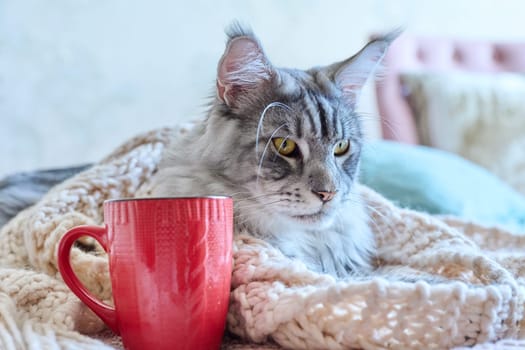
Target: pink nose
point(325, 196)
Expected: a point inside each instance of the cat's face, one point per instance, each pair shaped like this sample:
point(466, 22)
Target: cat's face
point(294, 136)
point(302, 146)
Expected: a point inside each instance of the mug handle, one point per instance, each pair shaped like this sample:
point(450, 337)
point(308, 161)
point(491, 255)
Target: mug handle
point(104, 311)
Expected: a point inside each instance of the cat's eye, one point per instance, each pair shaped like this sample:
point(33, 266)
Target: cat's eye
point(285, 147)
point(342, 147)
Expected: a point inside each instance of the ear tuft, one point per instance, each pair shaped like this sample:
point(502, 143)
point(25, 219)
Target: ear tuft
point(243, 67)
point(352, 74)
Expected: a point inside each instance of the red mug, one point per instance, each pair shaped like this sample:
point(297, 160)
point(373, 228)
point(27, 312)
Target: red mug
point(170, 263)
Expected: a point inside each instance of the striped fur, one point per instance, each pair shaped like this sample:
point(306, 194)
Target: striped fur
point(275, 198)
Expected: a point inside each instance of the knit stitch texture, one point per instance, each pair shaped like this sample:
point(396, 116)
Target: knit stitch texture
point(273, 299)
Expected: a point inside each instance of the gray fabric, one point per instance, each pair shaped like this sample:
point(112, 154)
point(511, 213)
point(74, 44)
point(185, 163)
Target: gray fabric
point(20, 190)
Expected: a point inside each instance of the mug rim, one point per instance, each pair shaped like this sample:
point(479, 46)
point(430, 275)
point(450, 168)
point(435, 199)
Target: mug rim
point(128, 199)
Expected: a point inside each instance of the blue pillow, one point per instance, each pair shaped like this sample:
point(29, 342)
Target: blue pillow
point(438, 182)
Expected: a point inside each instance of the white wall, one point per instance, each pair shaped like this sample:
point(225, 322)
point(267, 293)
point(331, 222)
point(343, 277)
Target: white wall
point(78, 77)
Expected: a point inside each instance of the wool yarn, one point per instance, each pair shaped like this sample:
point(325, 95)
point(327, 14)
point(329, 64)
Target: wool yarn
point(469, 288)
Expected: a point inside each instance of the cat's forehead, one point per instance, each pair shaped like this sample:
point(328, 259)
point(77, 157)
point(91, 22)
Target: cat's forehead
point(294, 82)
point(310, 108)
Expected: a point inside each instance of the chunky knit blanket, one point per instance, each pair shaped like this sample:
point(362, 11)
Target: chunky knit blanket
point(477, 296)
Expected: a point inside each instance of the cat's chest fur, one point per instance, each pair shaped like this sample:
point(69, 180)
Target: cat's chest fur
point(343, 248)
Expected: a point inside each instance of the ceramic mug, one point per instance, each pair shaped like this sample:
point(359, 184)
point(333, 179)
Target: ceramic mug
point(170, 262)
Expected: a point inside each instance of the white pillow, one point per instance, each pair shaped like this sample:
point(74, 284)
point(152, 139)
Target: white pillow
point(478, 116)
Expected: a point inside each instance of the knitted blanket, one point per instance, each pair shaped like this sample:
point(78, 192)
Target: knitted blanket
point(273, 299)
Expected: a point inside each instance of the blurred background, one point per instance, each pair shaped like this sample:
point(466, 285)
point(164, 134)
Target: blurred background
point(77, 78)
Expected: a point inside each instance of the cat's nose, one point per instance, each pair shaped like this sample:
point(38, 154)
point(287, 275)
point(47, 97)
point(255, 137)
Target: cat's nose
point(325, 196)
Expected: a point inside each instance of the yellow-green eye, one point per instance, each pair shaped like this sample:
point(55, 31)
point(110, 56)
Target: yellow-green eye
point(286, 147)
point(341, 147)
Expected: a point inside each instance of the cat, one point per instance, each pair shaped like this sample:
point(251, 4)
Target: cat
point(285, 145)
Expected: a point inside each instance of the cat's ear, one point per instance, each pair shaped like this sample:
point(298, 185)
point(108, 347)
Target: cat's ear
point(242, 68)
point(351, 75)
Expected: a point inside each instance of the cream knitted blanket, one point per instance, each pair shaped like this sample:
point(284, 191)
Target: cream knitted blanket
point(272, 298)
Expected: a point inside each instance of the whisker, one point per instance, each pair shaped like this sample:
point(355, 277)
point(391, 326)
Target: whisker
point(280, 147)
point(376, 211)
point(246, 216)
point(264, 153)
point(244, 221)
point(237, 193)
point(262, 204)
point(390, 125)
point(371, 208)
point(261, 121)
point(257, 197)
point(222, 168)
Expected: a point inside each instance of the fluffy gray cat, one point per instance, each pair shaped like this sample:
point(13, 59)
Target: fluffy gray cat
point(285, 144)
